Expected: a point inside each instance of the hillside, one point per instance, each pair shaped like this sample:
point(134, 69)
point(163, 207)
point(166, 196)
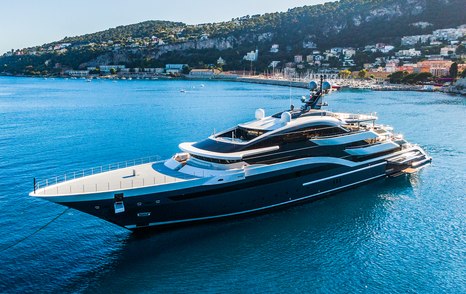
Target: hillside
point(352, 23)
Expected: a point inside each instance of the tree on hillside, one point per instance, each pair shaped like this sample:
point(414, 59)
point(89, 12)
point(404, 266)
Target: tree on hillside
point(409, 79)
point(344, 73)
point(461, 49)
point(362, 74)
point(423, 77)
point(362, 57)
point(142, 44)
point(397, 77)
point(454, 70)
point(463, 74)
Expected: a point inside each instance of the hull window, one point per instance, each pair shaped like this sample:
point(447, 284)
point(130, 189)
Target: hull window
point(119, 206)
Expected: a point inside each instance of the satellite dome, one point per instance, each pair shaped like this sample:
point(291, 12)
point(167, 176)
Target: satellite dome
point(286, 117)
point(260, 113)
point(312, 85)
point(326, 86)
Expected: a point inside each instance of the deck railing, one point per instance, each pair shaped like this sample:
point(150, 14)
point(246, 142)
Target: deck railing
point(93, 170)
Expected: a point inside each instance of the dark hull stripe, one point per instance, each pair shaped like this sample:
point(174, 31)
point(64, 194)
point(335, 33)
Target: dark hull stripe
point(256, 209)
point(235, 199)
point(256, 183)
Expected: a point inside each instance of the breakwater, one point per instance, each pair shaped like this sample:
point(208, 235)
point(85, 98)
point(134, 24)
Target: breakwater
point(285, 83)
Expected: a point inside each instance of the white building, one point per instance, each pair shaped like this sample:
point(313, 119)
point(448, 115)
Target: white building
point(448, 50)
point(329, 55)
point(370, 48)
point(435, 57)
point(413, 40)
point(275, 48)
point(309, 45)
point(77, 73)
point(336, 50)
point(108, 68)
point(327, 75)
point(150, 69)
point(386, 48)
point(298, 58)
point(408, 53)
point(61, 46)
point(203, 73)
point(174, 68)
point(349, 52)
point(450, 34)
point(252, 56)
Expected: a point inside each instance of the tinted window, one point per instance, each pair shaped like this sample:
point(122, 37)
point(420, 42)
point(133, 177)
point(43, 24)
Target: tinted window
point(242, 134)
point(297, 136)
point(216, 146)
point(214, 160)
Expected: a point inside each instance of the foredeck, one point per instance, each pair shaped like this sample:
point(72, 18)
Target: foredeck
point(143, 175)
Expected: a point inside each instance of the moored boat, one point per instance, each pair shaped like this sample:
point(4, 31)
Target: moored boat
point(271, 161)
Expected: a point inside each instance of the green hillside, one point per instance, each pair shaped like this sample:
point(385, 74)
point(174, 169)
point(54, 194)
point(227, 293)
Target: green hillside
point(352, 23)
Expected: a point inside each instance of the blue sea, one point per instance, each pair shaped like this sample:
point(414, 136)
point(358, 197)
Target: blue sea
point(403, 235)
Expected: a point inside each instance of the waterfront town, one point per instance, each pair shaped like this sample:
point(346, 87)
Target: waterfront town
point(429, 62)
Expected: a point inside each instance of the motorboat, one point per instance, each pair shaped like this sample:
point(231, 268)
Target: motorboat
point(274, 161)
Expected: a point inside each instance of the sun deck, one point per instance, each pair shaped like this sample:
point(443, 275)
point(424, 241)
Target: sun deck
point(138, 176)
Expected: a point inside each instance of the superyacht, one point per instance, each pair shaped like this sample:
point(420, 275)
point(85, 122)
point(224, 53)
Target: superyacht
point(272, 161)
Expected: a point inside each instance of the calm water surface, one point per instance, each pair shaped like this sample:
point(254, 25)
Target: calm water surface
point(399, 235)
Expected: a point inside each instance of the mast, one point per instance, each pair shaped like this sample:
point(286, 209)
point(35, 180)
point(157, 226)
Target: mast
point(317, 93)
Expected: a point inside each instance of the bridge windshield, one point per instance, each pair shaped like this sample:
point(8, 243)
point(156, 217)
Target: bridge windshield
point(240, 134)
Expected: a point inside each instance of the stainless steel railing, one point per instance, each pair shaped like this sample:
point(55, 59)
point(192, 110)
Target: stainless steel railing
point(92, 171)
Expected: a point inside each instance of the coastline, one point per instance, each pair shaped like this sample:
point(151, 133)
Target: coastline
point(340, 83)
point(354, 84)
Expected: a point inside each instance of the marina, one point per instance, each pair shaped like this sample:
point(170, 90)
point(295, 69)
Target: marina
point(352, 84)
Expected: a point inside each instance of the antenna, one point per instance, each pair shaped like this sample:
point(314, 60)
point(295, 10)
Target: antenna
point(321, 82)
point(317, 93)
point(290, 94)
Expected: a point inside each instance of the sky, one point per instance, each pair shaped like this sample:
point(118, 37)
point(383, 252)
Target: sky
point(29, 23)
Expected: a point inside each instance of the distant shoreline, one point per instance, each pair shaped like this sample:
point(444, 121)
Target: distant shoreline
point(376, 87)
point(268, 81)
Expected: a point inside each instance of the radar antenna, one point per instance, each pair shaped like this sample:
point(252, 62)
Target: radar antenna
point(316, 95)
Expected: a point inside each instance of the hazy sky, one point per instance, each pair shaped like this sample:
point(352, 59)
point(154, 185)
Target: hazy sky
point(31, 22)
